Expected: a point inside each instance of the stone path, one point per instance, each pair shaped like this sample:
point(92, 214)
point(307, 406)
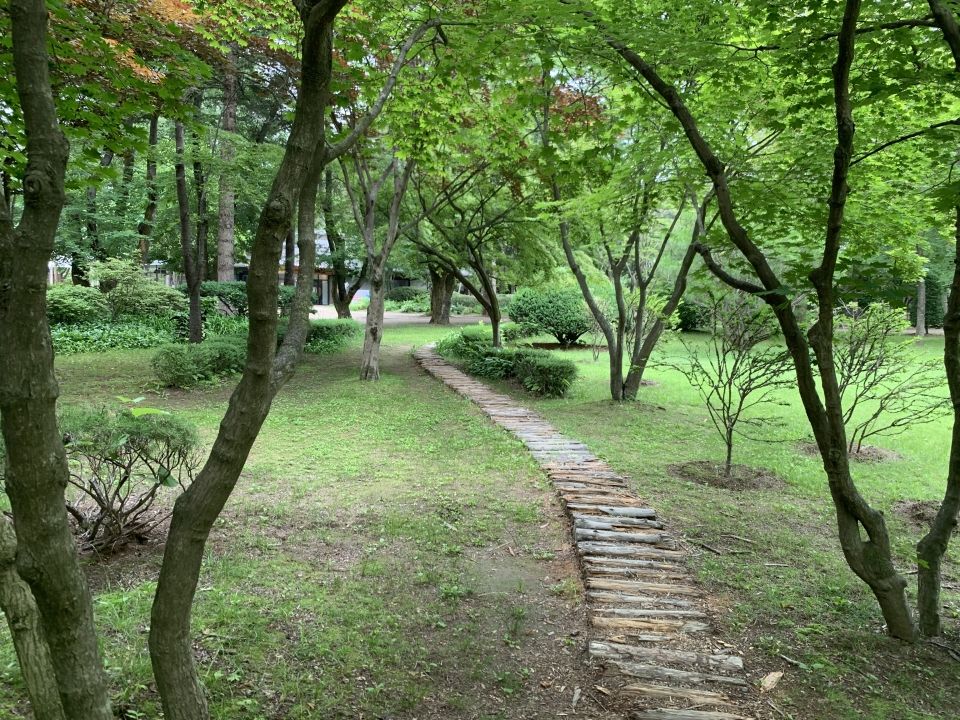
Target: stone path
point(650, 623)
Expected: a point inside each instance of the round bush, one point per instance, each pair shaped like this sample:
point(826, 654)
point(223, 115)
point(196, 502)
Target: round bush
point(74, 304)
point(691, 315)
point(558, 311)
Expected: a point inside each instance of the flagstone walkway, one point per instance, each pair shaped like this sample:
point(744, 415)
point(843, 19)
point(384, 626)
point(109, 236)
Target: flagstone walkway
point(650, 622)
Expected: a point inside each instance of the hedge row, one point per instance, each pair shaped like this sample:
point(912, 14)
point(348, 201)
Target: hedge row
point(539, 371)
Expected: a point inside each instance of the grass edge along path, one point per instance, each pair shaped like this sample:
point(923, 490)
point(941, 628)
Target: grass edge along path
point(649, 619)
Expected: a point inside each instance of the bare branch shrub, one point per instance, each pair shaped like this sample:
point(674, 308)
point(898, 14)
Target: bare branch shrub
point(119, 460)
point(884, 386)
point(739, 369)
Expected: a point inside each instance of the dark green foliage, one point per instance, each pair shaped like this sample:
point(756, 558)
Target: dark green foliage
point(691, 315)
point(233, 295)
point(513, 331)
point(326, 336)
point(492, 363)
point(936, 297)
point(119, 460)
point(403, 294)
point(72, 304)
point(539, 371)
point(558, 311)
point(97, 337)
point(187, 365)
point(543, 373)
point(466, 343)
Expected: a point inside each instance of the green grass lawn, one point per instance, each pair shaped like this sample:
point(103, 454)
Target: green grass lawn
point(387, 553)
point(779, 582)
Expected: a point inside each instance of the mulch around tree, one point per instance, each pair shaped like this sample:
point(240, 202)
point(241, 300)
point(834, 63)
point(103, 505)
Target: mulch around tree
point(866, 454)
point(741, 477)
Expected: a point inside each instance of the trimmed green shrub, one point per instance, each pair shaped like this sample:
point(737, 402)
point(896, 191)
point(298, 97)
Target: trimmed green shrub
point(511, 332)
point(493, 364)
point(466, 343)
point(539, 371)
point(72, 304)
point(326, 336)
point(360, 304)
point(691, 315)
point(98, 337)
point(187, 365)
point(558, 311)
point(543, 373)
point(403, 294)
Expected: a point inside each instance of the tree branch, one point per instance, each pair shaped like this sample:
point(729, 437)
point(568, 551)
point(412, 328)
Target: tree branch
point(363, 124)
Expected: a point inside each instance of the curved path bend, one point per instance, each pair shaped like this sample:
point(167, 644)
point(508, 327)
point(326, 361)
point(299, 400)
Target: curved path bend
point(650, 622)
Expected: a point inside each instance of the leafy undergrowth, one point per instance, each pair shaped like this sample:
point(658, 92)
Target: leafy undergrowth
point(388, 553)
point(770, 558)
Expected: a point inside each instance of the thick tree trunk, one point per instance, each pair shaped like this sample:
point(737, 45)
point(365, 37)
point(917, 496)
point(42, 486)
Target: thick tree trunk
point(23, 619)
point(197, 509)
point(36, 464)
point(289, 272)
point(145, 228)
point(373, 332)
point(442, 283)
point(341, 299)
point(225, 225)
point(191, 255)
point(921, 324)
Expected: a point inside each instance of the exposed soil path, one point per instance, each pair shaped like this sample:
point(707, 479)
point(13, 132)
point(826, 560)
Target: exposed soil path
point(650, 621)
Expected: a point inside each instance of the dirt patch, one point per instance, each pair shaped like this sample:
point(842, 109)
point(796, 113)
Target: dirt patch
point(918, 513)
point(866, 454)
point(741, 477)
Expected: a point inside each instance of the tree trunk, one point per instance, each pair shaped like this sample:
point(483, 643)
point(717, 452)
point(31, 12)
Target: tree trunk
point(373, 333)
point(643, 351)
point(921, 324)
point(196, 510)
point(20, 609)
point(341, 293)
point(36, 463)
point(79, 267)
point(933, 546)
point(225, 225)
point(288, 259)
point(145, 228)
point(728, 462)
point(441, 295)
point(191, 264)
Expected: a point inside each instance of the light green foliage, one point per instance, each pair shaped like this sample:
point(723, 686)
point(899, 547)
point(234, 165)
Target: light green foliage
point(73, 304)
point(326, 336)
point(132, 294)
